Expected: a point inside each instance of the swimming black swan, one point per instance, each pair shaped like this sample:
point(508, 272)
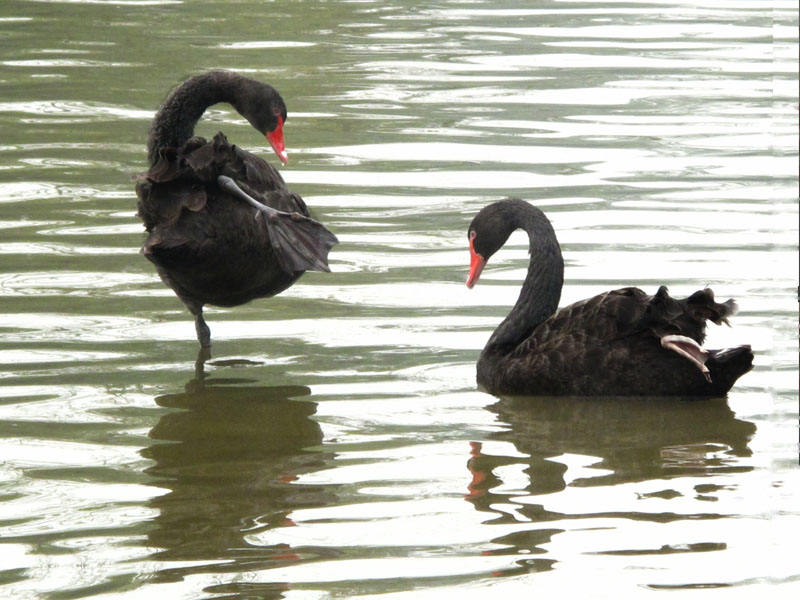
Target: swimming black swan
point(619, 343)
point(223, 227)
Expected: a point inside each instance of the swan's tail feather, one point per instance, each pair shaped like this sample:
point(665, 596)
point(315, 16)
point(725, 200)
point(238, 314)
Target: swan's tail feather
point(726, 366)
point(665, 315)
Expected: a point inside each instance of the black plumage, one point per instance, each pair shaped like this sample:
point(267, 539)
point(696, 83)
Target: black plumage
point(223, 228)
point(620, 343)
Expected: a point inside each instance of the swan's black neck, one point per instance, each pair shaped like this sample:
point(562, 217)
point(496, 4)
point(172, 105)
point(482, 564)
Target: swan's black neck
point(541, 291)
point(175, 120)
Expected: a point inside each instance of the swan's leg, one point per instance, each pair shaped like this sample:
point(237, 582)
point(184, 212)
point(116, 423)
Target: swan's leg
point(688, 348)
point(230, 186)
point(203, 332)
point(299, 243)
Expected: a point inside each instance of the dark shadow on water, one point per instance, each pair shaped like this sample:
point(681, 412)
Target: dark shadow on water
point(228, 459)
point(633, 440)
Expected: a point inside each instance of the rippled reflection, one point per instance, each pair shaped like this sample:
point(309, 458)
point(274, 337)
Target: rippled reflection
point(229, 462)
point(621, 442)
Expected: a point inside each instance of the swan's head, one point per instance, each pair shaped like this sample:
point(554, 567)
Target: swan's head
point(487, 233)
point(265, 110)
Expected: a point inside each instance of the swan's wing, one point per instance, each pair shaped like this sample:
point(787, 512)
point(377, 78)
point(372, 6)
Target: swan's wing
point(604, 318)
point(627, 312)
point(624, 329)
point(187, 179)
point(184, 177)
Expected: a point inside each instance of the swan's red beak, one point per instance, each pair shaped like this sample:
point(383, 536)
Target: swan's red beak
point(476, 264)
point(275, 139)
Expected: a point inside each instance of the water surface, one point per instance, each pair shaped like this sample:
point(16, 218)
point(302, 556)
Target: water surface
point(336, 446)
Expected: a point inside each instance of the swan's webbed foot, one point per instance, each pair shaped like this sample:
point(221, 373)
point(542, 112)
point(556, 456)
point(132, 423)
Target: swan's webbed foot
point(688, 348)
point(300, 243)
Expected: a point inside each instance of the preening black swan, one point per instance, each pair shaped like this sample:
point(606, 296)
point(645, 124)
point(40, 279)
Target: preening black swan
point(619, 343)
point(223, 227)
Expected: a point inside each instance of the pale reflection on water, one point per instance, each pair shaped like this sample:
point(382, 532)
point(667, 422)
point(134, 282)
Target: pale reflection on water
point(335, 444)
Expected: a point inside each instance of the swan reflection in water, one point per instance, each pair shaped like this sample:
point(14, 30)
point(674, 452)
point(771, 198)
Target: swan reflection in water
point(229, 459)
point(627, 440)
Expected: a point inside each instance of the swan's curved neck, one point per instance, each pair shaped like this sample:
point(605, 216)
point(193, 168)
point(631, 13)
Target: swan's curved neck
point(541, 291)
point(175, 120)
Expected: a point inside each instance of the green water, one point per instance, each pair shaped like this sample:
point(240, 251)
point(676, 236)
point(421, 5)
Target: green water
point(335, 446)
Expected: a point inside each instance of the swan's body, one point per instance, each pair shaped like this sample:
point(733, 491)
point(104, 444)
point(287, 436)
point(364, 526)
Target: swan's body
point(206, 243)
point(619, 343)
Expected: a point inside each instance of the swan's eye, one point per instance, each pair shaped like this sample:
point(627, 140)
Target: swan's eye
point(277, 111)
point(472, 235)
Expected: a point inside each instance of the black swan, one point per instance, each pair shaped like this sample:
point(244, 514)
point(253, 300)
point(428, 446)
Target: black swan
point(223, 227)
point(619, 343)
